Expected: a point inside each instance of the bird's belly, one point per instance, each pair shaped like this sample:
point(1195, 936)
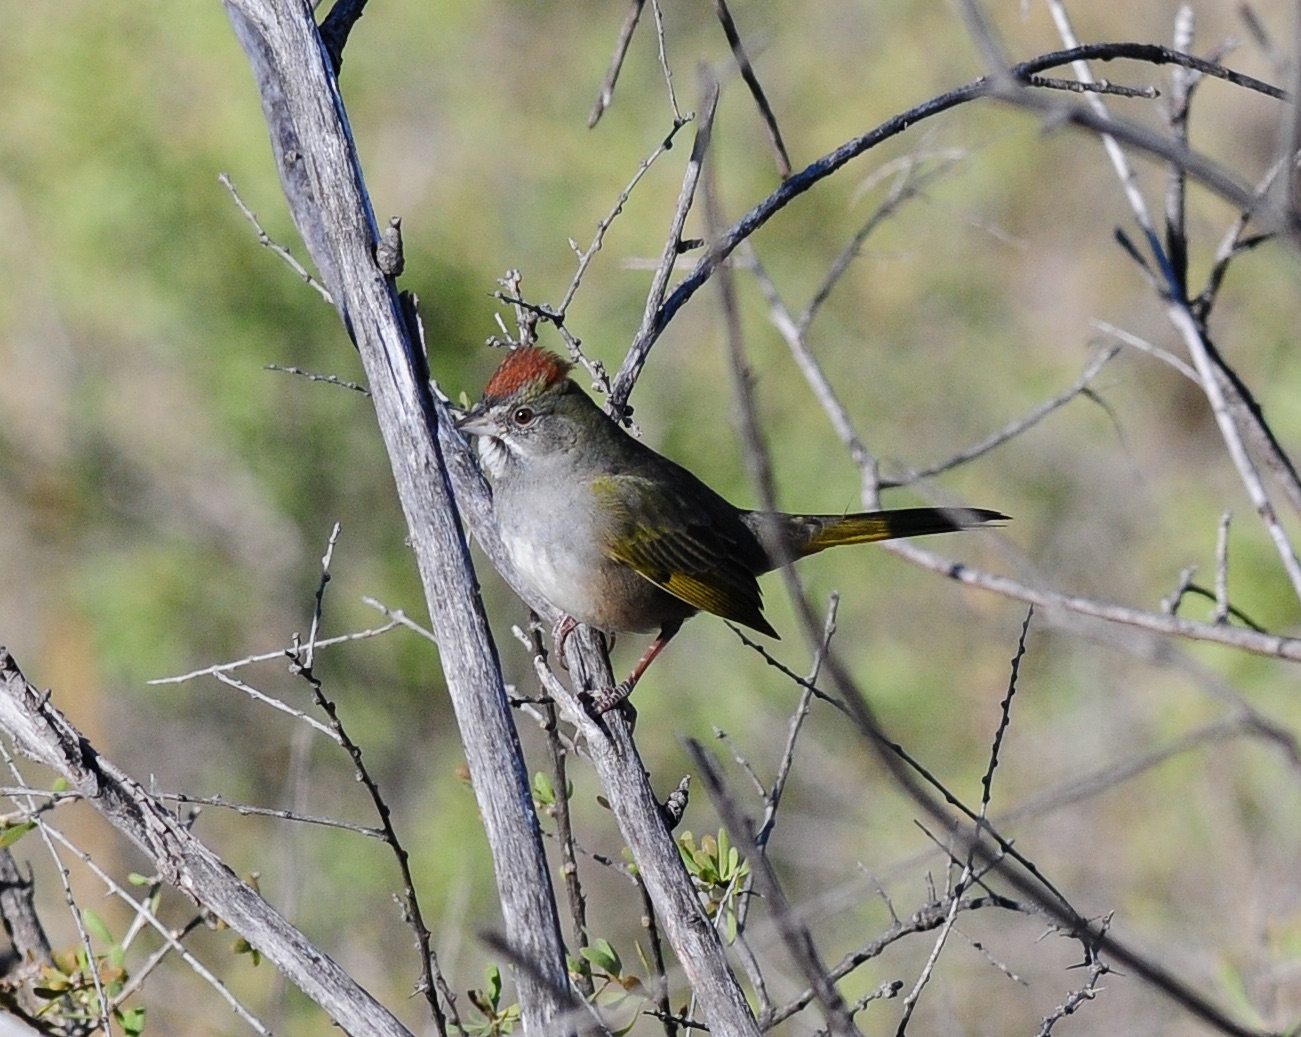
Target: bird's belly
point(583, 583)
point(553, 573)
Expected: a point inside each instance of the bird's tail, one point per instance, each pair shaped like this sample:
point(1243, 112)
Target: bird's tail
point(812, 533)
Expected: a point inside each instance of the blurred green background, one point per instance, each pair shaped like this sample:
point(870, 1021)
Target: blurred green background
point(165, 499)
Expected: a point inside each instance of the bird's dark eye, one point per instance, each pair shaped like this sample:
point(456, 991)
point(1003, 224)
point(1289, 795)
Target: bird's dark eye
point(522, 415)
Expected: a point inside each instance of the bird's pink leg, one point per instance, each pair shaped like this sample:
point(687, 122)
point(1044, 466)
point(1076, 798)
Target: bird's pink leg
point(605, 699)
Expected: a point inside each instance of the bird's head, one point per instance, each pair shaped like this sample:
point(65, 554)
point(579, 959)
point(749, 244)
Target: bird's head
point(531, 409)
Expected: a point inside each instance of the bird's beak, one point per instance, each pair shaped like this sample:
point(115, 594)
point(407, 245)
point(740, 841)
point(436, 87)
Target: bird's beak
point(475, 422)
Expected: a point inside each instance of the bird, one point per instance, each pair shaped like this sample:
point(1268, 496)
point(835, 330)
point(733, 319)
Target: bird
point(618, 537)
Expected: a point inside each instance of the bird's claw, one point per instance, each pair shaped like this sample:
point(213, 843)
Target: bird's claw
point(560, 635)
point(602, 700)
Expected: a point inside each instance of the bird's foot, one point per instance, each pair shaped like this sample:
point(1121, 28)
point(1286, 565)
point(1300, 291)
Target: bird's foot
point(602, 700)
point(560, 635)
point(605, 699)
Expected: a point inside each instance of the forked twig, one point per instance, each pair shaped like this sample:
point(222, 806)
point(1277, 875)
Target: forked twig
point(1080, 387)
point(432, 983)
point(1211, 174)
point(632, 364)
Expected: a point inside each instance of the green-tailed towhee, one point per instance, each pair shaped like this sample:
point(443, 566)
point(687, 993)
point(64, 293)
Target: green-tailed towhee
point(621, 538)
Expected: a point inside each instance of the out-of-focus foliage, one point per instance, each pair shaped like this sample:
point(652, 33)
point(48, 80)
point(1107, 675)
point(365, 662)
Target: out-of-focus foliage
point(164, 498)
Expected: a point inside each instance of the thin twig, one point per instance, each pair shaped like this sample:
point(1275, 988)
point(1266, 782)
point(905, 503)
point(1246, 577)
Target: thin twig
point(329, 379)
point(564, 827)
point(1234, 243)
point(309, 650)
point(279, 653)
point(273, 702)
point(432, 983)
point(585, 257)
point(954, 900)
point(266, 241)
point(795, 934)
point(1187, 587)
point(662, 50)
point(1221, 613)
point(741, 761)
point(1253, 641)
point(910, 180)
point(1079, 388)
point(1005, 717)
point(659, 973)
point(1182, 83)
point(1080, 997)
point(1210, 368)
point(170, 938)
point(49, 835)
point(1143, 346)
point(796, 724)
point(1102, 86)
point(249, 810)
point(631, 367)
point(1260, 35)
point(925, 919)
point(756, 90)
point(401, 619)
point(605, 96)
point(823, 390)
point(987, 42)
point(1287, 189)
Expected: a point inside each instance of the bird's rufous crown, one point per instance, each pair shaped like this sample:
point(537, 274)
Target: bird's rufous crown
point(528, 367)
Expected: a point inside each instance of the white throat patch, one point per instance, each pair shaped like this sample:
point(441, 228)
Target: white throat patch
point(493, 454)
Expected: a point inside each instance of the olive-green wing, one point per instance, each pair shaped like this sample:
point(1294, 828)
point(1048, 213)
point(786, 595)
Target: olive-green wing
point(695, 550)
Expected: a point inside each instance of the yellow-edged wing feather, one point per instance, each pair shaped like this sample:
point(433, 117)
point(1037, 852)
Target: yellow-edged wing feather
point(704, 555)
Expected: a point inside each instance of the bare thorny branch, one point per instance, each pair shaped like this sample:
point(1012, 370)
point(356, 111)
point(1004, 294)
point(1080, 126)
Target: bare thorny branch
point(432, 984)
point(712, 265)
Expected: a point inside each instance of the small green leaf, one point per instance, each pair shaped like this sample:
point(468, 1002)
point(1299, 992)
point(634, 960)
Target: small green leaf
point(96, 927)
point(494, 985)
point(242, 946)
point(10, 834)
point(132, 1021)
point(603, 956)
point(577, 967)
point(543, 791)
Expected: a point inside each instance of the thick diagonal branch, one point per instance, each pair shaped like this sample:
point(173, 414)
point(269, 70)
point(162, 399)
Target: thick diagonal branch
point(40, 731)
point(323, 183)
